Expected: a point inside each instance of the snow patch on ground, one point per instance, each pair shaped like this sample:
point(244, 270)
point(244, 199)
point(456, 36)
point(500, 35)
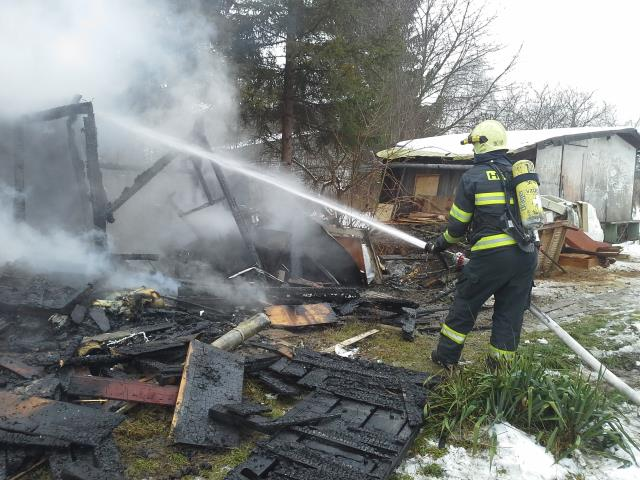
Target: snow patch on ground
point(632, 264)
point(518, 456)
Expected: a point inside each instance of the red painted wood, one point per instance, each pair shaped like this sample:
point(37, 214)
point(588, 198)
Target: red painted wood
point(128, 390)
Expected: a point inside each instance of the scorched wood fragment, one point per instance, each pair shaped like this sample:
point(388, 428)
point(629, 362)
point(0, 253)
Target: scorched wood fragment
point(87, 463)
point(15, 365)
point(21, 439)
point(64, 421)
point(211, 377)
point(98, 316)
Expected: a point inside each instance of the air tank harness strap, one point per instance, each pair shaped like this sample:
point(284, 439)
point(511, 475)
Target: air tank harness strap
point(525, 177)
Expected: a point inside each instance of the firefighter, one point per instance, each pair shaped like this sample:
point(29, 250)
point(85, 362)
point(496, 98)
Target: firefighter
point(501, 263)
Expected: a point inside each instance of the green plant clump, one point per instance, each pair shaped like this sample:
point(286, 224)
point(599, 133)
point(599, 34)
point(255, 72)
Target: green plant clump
point(562, 408)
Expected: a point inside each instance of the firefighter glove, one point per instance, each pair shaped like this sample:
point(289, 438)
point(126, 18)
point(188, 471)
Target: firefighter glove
point(431, 247)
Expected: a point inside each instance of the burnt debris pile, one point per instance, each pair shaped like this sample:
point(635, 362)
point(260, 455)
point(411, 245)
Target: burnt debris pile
point(87, 333)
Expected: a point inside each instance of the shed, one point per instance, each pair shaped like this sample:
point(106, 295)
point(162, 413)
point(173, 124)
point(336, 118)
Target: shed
point(598, 165)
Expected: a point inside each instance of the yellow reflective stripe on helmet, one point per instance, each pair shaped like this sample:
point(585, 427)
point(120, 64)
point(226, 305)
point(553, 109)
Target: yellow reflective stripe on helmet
point(451, 334)
point(449, 238)
point(491, 198)
point(459, 214)
point(499, 353)
point(493, 241)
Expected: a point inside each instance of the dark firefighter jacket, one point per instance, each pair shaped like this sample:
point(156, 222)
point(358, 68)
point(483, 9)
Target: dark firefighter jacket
point(480, 204)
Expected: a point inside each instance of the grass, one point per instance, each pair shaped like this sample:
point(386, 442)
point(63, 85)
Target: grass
point(387, 345)
point(431, 470)
point(564, 411)
point(400, 476)
point(593, 332)
point(148, 452)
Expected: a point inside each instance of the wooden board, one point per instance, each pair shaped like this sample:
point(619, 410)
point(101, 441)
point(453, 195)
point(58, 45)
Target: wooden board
point(128, 390)
point(426, 185)
point(578, 260)
point(98, 316)
point(350, 341)
point(552, 238)
point(301, 315)
point(211, 377)
point(64, 421)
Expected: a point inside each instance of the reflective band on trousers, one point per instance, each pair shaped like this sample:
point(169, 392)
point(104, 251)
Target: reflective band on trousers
point(498, 353)
point(451, 334)
point(493, 241)
point(450, 238)
point(459, 214)
point(491, 198)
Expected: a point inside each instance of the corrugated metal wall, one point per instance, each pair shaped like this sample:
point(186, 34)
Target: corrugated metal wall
point(597, 170)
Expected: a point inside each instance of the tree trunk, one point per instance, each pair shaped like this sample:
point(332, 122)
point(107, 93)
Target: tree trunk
point(288, 118)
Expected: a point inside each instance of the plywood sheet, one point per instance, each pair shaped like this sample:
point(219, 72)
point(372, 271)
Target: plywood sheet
point(426, 185)
point(301, 315)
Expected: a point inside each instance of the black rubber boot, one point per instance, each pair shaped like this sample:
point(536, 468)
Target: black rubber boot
point(442, 362)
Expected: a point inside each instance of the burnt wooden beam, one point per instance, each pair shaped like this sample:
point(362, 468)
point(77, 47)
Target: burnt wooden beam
point(128, 390)
point(19, 201)
point(262, 424)
point(97, 192)
point(82, 108)
point(151, 257)
point(76, 160)
point(140, 181)
point(201, 207)
point(25, 440)
point(211, 377)
point(243, 226)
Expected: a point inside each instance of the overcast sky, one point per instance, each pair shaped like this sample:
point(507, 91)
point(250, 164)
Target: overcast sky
point(589, 44)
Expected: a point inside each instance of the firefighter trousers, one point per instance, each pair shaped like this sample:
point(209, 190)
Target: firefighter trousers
point(507, 274)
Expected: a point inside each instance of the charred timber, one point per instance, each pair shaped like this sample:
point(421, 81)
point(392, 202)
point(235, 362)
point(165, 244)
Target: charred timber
point(97, 193)
point(243, 226)
point(140, 181)
point(82, 108)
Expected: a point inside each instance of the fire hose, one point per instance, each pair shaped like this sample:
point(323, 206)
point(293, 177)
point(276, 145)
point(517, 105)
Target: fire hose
point(584, 355)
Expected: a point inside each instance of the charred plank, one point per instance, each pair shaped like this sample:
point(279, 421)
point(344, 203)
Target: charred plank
point(60, 420)
point(211, 377)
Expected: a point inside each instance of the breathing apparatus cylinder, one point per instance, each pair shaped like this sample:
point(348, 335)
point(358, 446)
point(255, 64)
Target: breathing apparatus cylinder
point(528, 195)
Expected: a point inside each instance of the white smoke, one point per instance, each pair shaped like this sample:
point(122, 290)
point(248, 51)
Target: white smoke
point(46, 251)
point(152, 61)
point(152, 56)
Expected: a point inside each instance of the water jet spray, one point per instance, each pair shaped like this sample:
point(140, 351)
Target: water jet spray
point(194, 150)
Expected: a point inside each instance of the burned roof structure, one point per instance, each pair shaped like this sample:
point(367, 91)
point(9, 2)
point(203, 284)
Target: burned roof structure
point(79, 347)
